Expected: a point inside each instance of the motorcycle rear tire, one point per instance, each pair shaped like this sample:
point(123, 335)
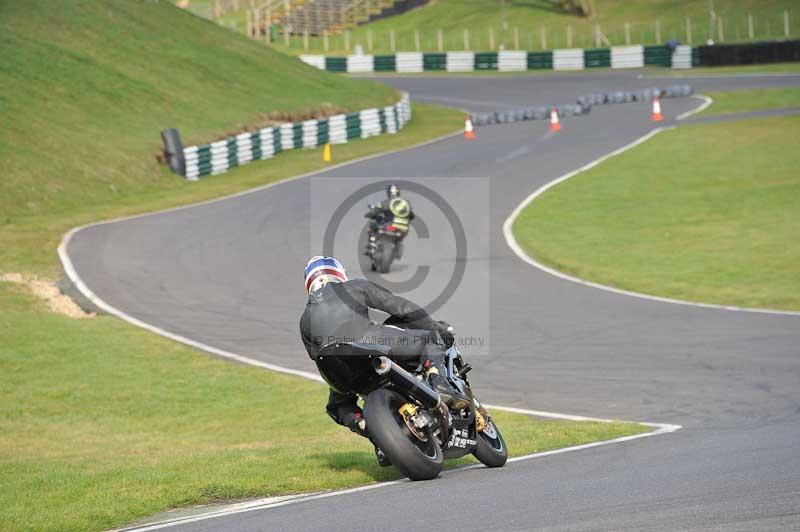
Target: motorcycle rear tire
point(491, 452)
point(414, 458)
point(385, 258)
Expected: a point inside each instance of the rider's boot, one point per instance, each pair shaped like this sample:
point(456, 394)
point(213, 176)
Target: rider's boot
point(451, 397)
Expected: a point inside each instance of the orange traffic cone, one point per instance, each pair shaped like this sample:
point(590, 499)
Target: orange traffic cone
point(657, 116)
point(555, 125)
point(469, 131)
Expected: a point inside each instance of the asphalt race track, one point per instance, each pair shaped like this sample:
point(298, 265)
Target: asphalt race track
point(228, 274)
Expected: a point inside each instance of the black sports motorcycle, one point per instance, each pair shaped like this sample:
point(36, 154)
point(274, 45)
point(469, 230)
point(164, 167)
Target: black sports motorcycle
point(384, 244)
point(405, 417)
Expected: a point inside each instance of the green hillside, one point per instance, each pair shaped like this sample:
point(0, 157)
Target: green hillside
point(529, 17)
point(88, 85)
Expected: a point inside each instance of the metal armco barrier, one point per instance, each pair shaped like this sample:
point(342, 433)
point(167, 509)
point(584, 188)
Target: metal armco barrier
point(221, 156)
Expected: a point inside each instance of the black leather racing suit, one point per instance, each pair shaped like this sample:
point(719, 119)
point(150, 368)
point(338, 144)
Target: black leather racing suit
point(340, 312)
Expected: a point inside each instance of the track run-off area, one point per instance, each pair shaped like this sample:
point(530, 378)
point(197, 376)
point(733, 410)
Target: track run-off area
point(226, 274)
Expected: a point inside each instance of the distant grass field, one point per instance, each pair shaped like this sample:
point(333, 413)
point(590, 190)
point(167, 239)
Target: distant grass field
point(530, 16)
point(702, 213)
point(751, 100)
point(104, 423)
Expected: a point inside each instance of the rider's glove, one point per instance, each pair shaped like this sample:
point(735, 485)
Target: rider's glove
point(445, 330)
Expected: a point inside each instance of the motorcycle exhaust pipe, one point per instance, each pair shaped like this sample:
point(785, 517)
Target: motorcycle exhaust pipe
point(406, 382)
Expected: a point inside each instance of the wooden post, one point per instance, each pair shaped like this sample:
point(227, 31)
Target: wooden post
point(750, 32)
point(627, 33)
point(719, 29)
point(597, 35)
point(268, 27)
point(325, 43)
point(305, 39)
point(369, 40)
point(417, 43)
point(491, 38)
point(466, 39)
point(569, 36)
point(786, 23)
point(347, 40)
point(439, 40)
point(658, 31)
point(249, 24)
point(688, 30)
point(544, 37)
point(392, 41)
point(286, 34)
point(516, 38)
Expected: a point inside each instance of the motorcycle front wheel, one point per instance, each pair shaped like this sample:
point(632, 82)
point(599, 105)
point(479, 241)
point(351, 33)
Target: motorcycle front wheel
point(385, 257)
point(491, 448)
point(416, 458)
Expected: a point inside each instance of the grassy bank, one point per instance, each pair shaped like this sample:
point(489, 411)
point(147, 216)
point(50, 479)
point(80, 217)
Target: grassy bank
point(85, 107)
point(531, 17)
point(702, 213)
point(90, 85)
point(104, 423)
point(751, 100)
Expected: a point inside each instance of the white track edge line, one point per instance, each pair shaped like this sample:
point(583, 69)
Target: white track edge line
point(270, 503)
point(707, 100)
point(512, 243)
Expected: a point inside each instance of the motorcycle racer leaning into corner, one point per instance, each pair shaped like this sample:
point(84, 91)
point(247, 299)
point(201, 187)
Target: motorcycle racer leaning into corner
point(338, 311)
point(395, 210)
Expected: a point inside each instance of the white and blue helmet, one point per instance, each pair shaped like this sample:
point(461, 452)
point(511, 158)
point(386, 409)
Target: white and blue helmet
point(321, 271)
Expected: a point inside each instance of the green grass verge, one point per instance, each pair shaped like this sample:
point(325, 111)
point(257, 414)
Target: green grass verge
point(751, 100)
point(702, 213)
point(104, 423)
point(768, 68)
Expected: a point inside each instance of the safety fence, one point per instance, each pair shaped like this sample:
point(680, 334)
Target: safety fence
point(636, 56)
point(221, 156)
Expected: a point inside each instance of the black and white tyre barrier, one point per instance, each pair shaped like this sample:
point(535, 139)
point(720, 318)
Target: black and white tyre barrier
point(582, 106)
